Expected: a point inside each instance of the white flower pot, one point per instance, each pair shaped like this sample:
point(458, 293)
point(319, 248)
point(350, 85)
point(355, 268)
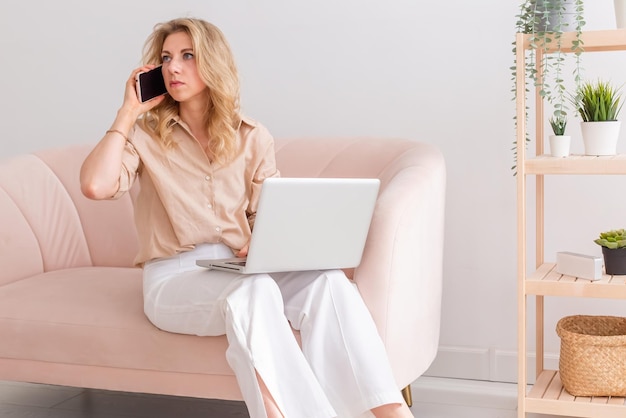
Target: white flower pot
point(600, 138)
point(620, 13)
point(559, 145)
point(567, 14)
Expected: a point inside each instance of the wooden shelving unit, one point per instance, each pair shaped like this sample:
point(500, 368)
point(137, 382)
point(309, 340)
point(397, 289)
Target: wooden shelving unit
point(576, 164)
point(547, 395)
point(547, 282)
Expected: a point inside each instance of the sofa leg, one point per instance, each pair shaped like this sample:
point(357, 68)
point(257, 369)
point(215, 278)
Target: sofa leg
point(406, 394)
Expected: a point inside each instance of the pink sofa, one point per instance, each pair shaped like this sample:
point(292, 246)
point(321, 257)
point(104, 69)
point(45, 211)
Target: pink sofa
point(71, 302)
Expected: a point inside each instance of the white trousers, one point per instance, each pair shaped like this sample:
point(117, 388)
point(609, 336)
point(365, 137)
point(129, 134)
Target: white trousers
point(342, 369)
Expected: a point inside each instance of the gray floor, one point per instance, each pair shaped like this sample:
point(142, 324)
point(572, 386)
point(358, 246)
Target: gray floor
point(21, 400)
point(433, 398)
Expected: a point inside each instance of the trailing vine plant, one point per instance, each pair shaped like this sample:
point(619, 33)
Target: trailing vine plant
point(545, 22)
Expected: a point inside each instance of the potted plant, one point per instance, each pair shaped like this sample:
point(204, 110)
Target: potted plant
point(545, 21)
point(559, 142)
point(613, 245)
point(598, 104)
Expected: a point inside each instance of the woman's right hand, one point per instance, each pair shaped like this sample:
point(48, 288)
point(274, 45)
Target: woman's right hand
point(131, 102)
point(100, 172)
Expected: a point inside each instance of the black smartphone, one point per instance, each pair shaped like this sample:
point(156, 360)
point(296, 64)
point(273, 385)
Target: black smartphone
point(150, 84)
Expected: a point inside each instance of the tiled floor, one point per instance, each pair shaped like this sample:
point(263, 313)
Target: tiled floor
point(23, 400)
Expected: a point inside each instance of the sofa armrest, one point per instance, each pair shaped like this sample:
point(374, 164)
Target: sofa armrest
point(400, 275)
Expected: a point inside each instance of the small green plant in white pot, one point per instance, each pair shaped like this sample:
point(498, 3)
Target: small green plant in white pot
point(559, 142)
point(598, 104)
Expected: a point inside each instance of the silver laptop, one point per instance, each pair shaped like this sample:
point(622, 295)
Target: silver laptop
point(307, 224)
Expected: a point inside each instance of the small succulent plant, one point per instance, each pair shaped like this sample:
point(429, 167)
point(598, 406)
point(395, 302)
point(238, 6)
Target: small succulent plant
point(612, 239)
point(558, 124)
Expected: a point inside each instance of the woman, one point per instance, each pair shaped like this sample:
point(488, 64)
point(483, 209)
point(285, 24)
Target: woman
point(201, 165)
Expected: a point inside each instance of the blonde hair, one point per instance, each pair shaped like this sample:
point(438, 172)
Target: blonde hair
point(216, 67)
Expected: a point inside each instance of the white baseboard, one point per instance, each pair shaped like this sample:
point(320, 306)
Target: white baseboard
point(484, 364)
point(467, 393)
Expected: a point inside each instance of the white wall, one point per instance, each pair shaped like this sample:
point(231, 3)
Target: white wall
point(434, 71)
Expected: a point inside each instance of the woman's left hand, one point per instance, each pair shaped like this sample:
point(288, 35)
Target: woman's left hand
point(243, 251)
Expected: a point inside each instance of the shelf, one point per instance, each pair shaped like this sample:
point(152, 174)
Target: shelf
point(576, 164)
point(548, 396)
point(593, 41)
point(546, 281)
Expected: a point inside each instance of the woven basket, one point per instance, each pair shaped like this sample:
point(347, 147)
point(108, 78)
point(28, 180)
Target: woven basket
point(593, 355)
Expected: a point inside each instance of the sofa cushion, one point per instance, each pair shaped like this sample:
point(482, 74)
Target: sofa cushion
point(107, 226)
point(41, 210)
point(85, 315)
point(20, 255)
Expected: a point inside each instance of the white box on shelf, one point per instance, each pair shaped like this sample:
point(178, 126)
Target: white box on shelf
point(579, 265)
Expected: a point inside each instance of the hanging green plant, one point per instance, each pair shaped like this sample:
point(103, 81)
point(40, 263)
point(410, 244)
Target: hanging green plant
point(545, 21)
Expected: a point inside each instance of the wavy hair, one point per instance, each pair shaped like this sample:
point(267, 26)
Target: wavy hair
point(216, 67)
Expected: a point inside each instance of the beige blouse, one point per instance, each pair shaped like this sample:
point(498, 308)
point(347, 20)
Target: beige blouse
point(185, 199)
